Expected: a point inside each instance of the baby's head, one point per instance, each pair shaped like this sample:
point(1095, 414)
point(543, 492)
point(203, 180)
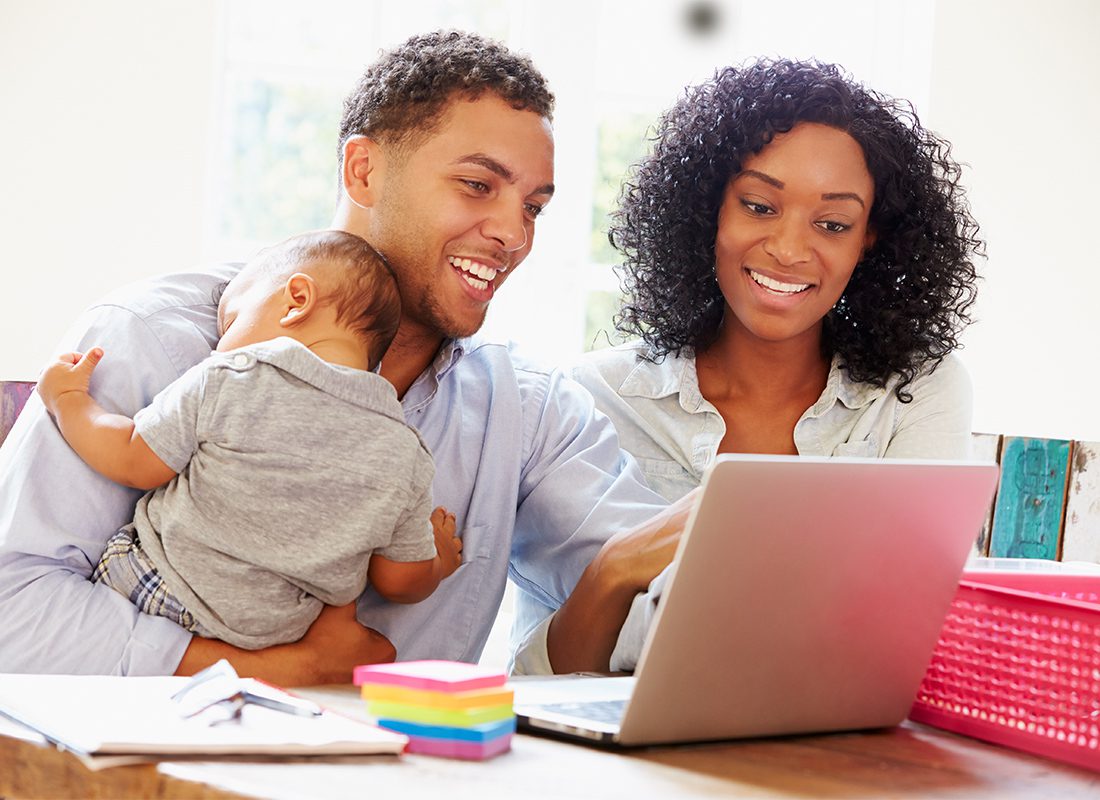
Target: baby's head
point(326, 289)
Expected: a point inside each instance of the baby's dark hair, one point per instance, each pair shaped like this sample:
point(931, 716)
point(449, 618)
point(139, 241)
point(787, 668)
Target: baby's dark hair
point(365, 295)
point(401, 95)
point(910, 294)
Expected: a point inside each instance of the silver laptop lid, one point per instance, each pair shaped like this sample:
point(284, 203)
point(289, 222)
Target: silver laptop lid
point(807, 595)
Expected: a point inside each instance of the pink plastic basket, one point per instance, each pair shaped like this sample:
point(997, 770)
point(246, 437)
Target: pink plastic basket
point(1018, 664)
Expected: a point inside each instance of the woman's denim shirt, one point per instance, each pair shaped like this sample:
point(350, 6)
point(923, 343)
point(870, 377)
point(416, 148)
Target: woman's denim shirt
point(673, 431)
point(664, 421)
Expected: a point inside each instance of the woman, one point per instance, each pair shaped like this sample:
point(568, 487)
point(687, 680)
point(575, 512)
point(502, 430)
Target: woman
point(798, 264)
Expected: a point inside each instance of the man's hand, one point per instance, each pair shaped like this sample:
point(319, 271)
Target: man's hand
point(69, 372)
point(584, 630)
point(447, 545)
point(333, 646)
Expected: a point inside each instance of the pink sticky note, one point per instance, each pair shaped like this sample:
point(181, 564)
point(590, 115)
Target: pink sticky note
point(437, 676)
point(471, 751)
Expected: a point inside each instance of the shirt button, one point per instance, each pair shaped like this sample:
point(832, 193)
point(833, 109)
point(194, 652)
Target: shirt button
point(240, 360)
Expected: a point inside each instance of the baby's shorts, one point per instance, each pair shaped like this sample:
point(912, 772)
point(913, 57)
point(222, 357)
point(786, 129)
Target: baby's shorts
point(126, 568)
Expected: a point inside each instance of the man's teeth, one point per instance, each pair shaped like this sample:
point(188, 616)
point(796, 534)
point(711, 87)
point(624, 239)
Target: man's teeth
point(777, 286)
point(474, 268)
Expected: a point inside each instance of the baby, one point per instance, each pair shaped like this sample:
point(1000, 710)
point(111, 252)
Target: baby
point(283, 475)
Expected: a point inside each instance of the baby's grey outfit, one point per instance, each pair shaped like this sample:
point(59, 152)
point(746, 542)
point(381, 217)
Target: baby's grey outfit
point(292, 471)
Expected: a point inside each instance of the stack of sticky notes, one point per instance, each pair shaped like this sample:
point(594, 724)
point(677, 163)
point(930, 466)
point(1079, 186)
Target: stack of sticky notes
point(446, 708)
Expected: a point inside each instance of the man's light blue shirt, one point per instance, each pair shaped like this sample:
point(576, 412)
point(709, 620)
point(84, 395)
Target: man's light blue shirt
point(531, 470)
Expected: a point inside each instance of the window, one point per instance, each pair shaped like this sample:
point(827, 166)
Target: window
point(286, 68)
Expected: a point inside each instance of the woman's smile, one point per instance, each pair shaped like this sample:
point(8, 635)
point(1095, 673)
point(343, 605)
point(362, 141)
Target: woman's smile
point(774, 286)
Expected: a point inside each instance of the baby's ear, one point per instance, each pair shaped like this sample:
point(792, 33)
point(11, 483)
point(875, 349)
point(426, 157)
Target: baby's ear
point(299, 298)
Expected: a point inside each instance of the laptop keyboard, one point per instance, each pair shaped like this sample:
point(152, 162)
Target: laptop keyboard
point(598, 710)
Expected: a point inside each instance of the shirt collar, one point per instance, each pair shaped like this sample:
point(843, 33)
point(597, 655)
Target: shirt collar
point(360, 388)
point(677, 375)
point(840, 387)
point(450, 353)
point(668, 376)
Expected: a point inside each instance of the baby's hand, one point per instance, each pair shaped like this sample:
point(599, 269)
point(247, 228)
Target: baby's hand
point(71, 372)
point(447, 544)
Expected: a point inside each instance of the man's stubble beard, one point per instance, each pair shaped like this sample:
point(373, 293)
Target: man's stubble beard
point(418, 283)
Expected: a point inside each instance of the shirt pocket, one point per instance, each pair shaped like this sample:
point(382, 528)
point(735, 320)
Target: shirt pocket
point(667, 477)
point(865, 448)
point(452, 623)
point(470, 594)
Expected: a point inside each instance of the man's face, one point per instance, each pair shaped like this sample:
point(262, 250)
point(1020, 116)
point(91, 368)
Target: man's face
point(456, 212)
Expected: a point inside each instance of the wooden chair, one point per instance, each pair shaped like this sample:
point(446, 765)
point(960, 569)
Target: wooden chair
point(1048, 501)
point(13, 396)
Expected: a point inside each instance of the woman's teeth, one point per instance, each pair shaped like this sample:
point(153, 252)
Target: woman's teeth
point(777, 286)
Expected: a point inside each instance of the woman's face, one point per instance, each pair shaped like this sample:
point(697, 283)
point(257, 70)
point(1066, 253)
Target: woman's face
point(792, 225)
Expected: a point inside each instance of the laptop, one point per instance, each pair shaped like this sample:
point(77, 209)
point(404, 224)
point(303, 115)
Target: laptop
point(806, 596)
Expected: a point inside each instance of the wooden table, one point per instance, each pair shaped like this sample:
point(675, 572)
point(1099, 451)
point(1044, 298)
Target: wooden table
point(910, 761)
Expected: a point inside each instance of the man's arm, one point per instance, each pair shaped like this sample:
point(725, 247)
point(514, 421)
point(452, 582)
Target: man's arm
point(587, 539)
point(333, 646)
point(583, 632)
point(56, 515)
point(108, 443)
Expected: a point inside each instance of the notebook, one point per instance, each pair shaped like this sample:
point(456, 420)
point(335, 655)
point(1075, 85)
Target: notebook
point(807, 595)
point(117, 720)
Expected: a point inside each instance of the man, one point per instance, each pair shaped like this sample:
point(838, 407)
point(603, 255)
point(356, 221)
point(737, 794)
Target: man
point(446, 162)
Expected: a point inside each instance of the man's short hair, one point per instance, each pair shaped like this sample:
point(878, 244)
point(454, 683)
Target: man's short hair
point(400, 96)
point(365, 294)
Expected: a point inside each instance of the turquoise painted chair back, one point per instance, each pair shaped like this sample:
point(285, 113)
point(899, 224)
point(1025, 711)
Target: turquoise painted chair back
point(1048, 501)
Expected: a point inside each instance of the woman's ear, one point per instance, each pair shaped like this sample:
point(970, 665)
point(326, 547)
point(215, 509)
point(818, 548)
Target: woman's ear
point(299, 299)
point(363, 168)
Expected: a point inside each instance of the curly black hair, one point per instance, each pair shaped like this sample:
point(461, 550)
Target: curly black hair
point(909, 297)
point(400, 95)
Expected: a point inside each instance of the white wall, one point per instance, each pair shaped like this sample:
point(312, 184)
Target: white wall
point(105, 108)
point(1016, 88)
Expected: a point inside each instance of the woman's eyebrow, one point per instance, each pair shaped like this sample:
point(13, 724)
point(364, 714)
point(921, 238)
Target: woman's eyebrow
point(844, 196)
point(778, 184)
point(752, 173)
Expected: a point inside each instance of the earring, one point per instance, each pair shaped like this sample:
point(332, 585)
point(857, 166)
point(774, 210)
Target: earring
point(355, 202)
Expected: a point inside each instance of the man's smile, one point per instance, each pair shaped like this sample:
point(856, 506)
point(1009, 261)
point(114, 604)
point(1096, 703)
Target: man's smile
point(479, 275)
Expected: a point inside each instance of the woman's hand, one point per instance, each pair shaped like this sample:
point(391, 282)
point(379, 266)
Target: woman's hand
point(635, 557)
